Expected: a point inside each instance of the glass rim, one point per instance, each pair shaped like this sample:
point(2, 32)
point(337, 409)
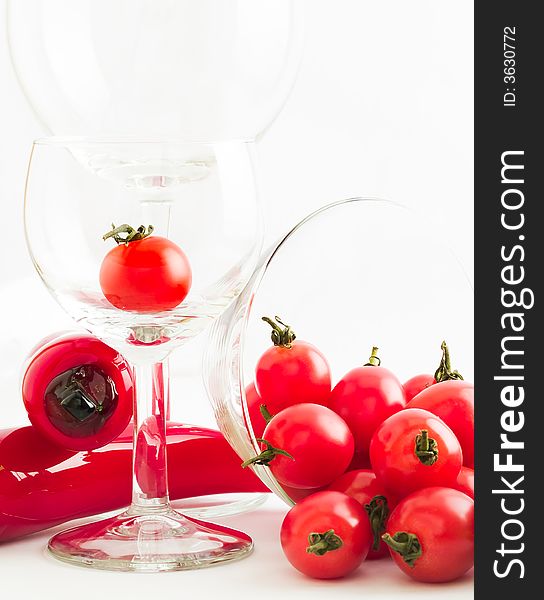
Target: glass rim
point(74, 140)
point(267, 257)
point(276, 246)
point(253, 285)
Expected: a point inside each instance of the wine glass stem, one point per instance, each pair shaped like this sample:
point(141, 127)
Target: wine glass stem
point(150, 475)
point(161, 383)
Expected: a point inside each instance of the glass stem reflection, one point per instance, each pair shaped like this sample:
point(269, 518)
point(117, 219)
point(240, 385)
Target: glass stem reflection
point(161, 385)
point(150, 475)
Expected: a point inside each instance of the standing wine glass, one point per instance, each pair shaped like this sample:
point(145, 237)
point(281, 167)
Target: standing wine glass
point(162, 69)
point(143, 243)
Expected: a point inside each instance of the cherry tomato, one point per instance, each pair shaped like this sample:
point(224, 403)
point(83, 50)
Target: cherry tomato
point(291, 372)
point(298, 494)
point(362, 485)
point(144, 274)
point(78, 392)
point(431, 534)
point(326, 535)
point(306, 446)
point(254, 402)
point(414, 449)
point(364, 398)
point(465, 481)
point(416, 384)
point(453, 402)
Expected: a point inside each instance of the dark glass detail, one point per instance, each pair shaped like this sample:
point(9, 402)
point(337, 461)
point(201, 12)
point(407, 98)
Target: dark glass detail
point(79, 401)
point(79, 405)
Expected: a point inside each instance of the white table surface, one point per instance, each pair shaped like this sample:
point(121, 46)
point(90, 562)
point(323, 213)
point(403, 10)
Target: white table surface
point(25, 566)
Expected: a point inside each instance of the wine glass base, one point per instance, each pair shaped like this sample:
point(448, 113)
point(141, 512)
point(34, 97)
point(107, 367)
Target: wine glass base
point(220, 505)
point(167, 541)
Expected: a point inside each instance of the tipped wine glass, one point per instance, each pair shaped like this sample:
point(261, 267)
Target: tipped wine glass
point(144, 243)
point(357, 273)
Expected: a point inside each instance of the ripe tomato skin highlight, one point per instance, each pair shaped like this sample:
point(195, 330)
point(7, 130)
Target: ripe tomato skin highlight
point(362, 485)
point(465, 481)
point(417, 384)
point(151, 274)
point(105, 371)
point(286, 376)
point(320, 513)
point(443, 521)
point(393, 458)
point(319, 441)
point(364, 398)
point(453, 402)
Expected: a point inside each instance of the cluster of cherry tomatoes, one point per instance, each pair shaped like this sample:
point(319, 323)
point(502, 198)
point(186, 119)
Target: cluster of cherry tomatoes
point(377, 468)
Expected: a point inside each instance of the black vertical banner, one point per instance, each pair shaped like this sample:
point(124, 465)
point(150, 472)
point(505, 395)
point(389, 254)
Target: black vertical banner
point(509, 242)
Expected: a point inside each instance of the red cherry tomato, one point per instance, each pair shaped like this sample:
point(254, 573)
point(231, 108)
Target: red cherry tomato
point(254, 402)
point(414, 449)
point(453, 402)
point(431, 534)
point(465, 481)
point(416, 384)
point(78, 392)
point(363, 486)
point(147, 274)
point(364, 398)
point(326, 535)
point(291, 372)
point(318, 442)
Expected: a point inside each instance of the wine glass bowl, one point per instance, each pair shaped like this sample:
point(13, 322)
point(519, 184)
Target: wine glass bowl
point(203, 196)
point(183, 69)
point(355, 274)
point(186, 218)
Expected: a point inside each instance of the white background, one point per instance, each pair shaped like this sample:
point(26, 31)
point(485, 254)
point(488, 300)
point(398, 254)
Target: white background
point(382, 107)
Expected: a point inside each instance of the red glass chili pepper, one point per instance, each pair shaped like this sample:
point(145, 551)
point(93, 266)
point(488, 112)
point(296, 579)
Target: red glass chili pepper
point(78, 391)
point(43, 485)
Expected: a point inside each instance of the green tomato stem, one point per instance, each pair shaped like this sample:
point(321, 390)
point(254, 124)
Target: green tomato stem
point(378, 511)
point(321, 543)
point(444, 372)
point(266, 456)
point(267, 416)
point(426, 448)
point(374, 360)
point(131, 234)
point(405, 544)
point(281, 336)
